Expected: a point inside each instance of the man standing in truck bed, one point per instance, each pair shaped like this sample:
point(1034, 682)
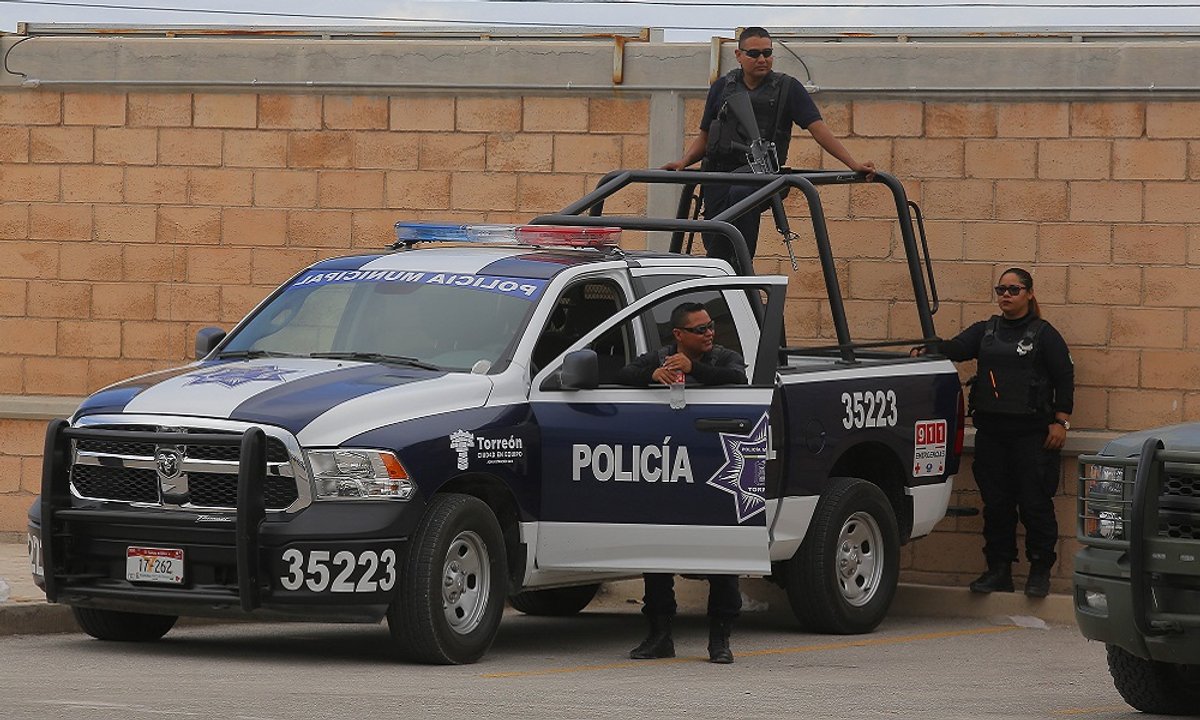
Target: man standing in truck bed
point(779, 101)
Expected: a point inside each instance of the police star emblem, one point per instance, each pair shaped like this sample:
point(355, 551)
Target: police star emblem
point(744, 474)
point(231, 377)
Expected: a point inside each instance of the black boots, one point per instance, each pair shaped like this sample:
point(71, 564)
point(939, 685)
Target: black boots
point(1038, 583)
point(718, 641)
point(658, 644)
point(997, 578)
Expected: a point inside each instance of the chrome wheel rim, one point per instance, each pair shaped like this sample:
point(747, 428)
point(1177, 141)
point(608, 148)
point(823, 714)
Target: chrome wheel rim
point(859, 559)
point(466, 581)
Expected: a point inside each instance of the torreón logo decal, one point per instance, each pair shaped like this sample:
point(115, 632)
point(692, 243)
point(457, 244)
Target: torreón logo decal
point(488, 450)
point(461, 443)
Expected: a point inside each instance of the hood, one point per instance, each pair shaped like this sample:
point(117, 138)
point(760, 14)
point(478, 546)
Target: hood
point(1174, 437)
point(325, 400)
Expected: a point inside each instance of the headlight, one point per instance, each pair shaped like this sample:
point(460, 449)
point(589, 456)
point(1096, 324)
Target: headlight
point(352, 473)
point(1104, 496)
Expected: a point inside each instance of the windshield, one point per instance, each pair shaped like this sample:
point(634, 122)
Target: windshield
point(445, 320)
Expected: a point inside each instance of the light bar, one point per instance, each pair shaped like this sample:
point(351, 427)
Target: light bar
point(409, 233)
point(569, 236)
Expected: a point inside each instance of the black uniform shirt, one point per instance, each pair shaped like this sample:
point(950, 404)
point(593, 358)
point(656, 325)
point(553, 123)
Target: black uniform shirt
point(801, 109)
point(719, 366)
point(1054, 359)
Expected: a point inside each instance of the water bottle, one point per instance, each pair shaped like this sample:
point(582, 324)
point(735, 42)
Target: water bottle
point(677, 402)
point(5, 590)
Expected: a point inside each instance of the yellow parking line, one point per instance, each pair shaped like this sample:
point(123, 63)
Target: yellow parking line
point(863, 642)
point(1091, 710)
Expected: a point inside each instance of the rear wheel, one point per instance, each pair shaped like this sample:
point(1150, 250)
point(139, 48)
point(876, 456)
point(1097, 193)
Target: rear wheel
point(451, 596)
point(843, 577)
point(1155, 687)
point(555, 601)
point(123, 626)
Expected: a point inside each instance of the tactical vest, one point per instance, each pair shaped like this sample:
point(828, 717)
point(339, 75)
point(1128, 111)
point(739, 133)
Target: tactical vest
point(769, 105)
point(1010, 380)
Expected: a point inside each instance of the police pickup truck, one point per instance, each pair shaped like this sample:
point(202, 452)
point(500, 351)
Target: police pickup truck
point(1137, 574)
point(421, 433)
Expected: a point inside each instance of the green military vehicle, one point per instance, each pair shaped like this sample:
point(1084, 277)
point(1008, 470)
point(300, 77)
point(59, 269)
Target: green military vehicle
point(1137, 576)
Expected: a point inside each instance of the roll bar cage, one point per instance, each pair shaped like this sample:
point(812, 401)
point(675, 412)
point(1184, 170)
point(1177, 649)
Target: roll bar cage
point(908, 214)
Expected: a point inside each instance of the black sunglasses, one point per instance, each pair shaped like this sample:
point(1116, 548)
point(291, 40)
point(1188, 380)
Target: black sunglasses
point(1013, 290)
point(755, 53)
point(700, 329)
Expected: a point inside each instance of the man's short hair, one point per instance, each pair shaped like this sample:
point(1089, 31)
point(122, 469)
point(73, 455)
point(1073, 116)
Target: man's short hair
point(680, 313)
point(751, 32)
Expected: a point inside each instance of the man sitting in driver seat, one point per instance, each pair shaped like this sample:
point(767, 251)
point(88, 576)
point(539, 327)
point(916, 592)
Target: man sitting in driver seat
point(693, 353)
point(702, 363)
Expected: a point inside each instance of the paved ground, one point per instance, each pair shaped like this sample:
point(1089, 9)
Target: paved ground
point(933, 669)
point(943, 653)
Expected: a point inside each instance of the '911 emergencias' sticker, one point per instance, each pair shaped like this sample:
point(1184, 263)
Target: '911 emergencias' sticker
point(929, 453)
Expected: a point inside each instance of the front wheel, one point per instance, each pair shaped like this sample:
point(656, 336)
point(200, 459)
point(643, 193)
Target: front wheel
point(843, 577)
point(449, 601)
point(1155, 687)
point(122, 626)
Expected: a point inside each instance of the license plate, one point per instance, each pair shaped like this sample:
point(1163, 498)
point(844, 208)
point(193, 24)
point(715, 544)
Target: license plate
point(158, 565)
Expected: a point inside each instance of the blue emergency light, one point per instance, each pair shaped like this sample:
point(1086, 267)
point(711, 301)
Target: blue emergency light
point(408, 233)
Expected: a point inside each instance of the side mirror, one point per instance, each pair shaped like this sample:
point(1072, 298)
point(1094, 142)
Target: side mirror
point(580, 371)
point(207, 339)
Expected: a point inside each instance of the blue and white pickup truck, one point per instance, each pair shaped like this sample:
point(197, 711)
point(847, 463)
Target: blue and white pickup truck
point(422, 433)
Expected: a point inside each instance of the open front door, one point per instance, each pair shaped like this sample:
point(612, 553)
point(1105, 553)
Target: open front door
point(630, 484)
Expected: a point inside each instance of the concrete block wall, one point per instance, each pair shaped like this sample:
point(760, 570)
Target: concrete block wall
point(130, 219)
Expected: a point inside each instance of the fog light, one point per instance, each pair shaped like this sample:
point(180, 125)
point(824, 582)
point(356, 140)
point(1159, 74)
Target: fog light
point(1096, 600)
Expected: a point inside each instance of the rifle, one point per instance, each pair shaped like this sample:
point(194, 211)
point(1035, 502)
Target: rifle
point(763, 159)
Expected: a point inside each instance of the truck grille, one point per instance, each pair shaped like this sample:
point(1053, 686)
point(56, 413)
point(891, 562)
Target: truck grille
point(276, 451)
point(1184, 530)
point(216, 490)
point(1181, 485)
point(115, 483)
point(1179, 506)
point(127, 471)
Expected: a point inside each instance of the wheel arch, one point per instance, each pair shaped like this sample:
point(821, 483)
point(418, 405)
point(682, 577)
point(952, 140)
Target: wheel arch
point(878, 464)
point(499, 497)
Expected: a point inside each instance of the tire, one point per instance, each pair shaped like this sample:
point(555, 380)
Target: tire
point(1155, 687)
point(123, 626)
point(843, 578)
point(451, 594)
point(555, 602)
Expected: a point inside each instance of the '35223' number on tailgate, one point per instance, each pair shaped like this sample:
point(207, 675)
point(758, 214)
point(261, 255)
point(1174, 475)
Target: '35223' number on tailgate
point(870, 408)
point(323, 570)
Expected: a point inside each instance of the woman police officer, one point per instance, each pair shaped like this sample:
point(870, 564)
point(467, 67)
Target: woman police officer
point(1021, 400)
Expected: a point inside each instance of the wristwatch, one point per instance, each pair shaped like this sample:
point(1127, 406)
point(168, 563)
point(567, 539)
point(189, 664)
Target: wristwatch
point(1065, 423)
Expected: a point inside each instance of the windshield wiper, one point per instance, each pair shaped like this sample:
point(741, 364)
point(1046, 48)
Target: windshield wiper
point(376, 357)
point(250, 354)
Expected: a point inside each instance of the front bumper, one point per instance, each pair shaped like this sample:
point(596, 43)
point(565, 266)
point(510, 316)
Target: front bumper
point(1107, 572)
point(330, 561)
